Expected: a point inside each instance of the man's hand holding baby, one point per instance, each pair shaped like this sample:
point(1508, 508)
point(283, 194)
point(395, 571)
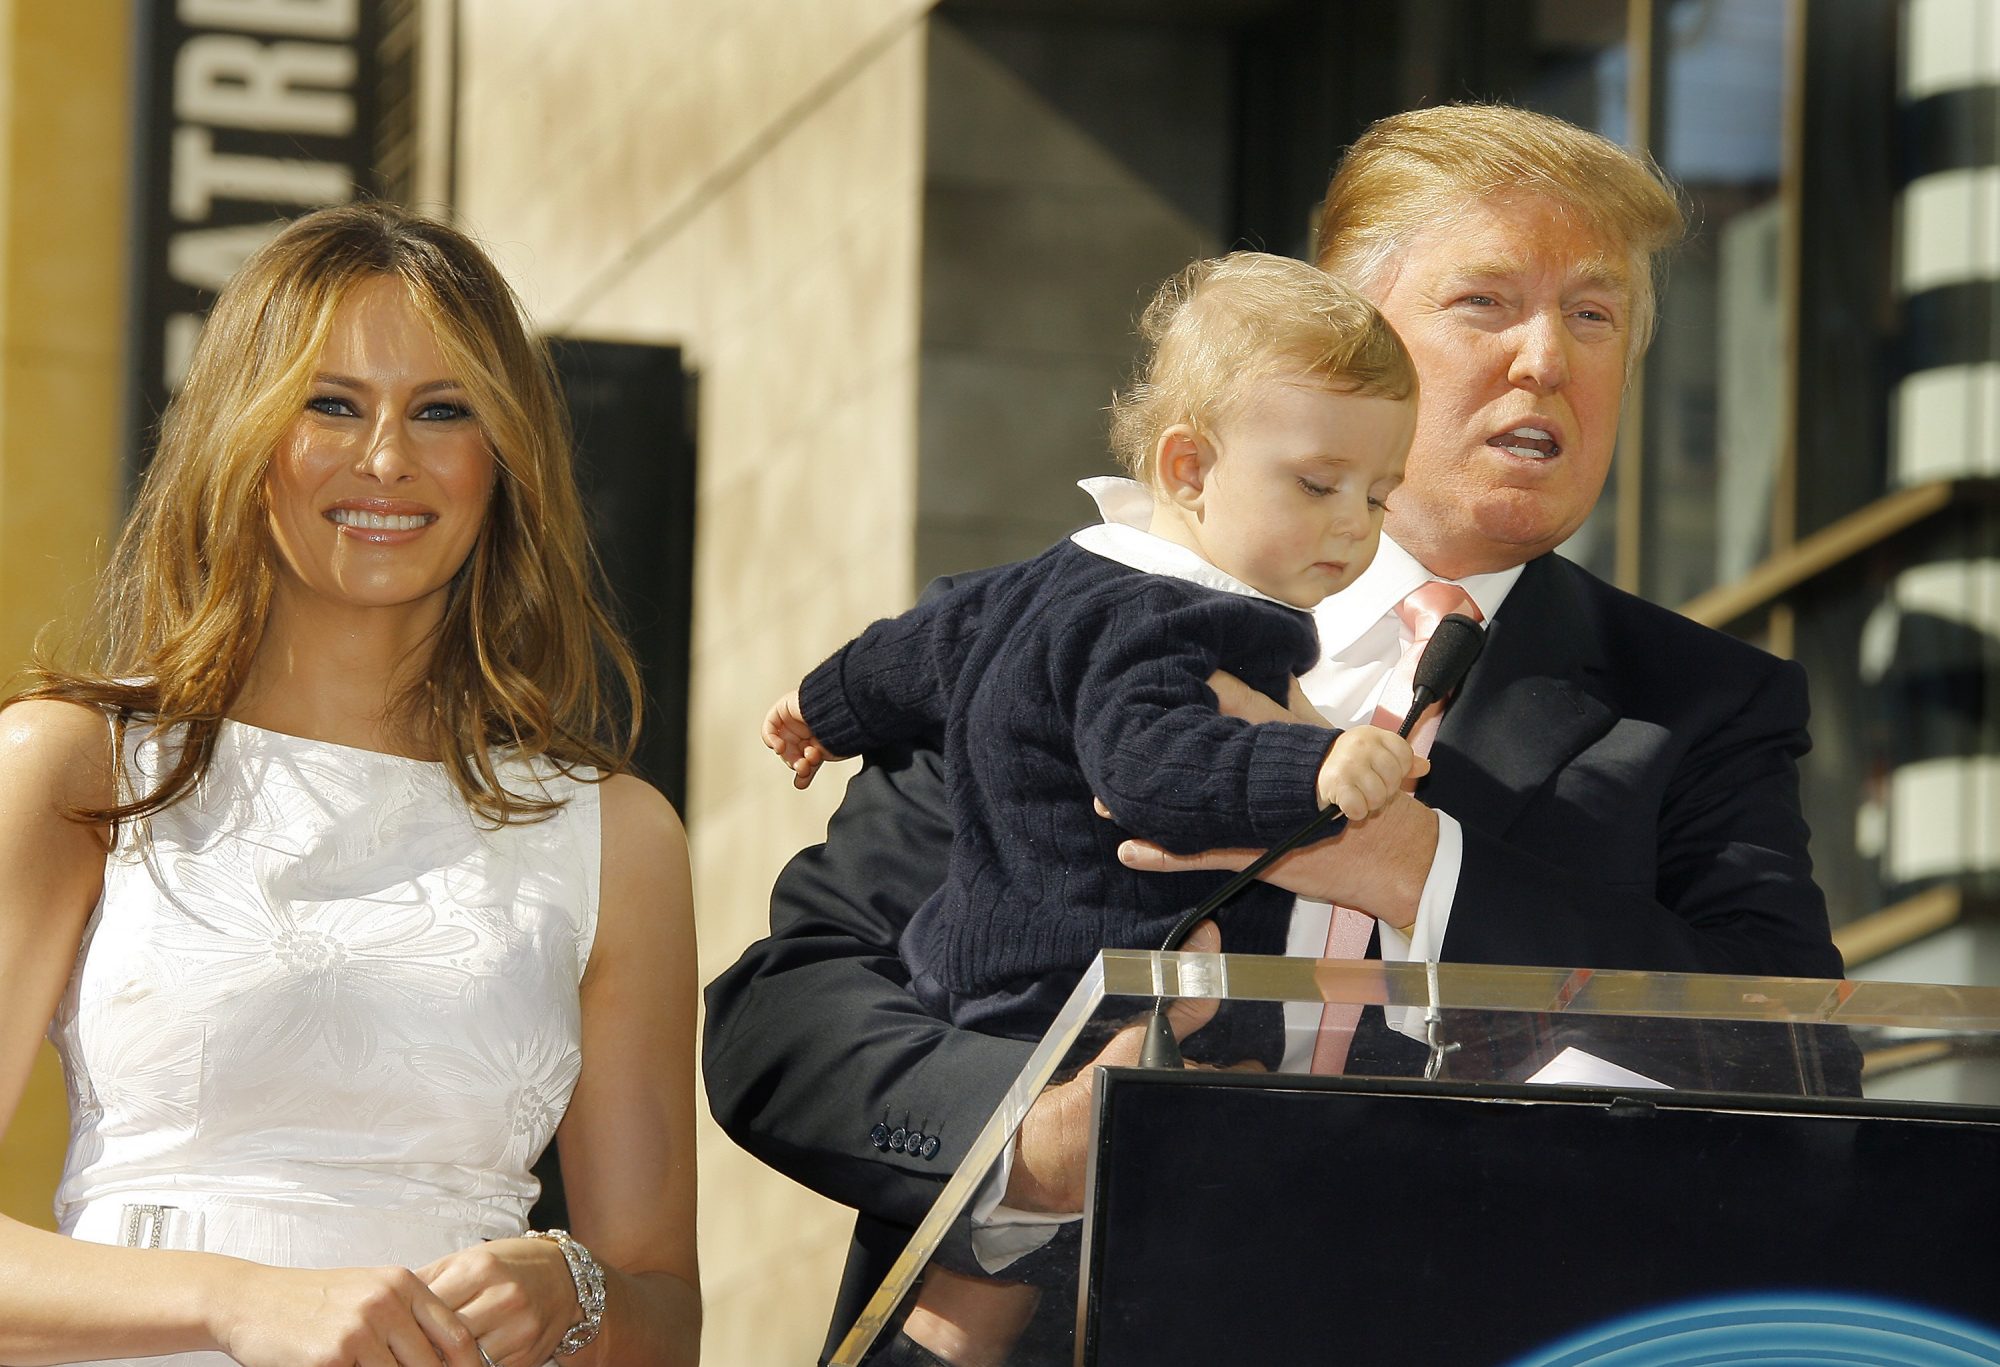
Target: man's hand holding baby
point(1378, 866)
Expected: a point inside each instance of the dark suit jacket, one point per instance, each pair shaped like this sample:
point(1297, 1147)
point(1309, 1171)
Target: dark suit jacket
point(1626, 782)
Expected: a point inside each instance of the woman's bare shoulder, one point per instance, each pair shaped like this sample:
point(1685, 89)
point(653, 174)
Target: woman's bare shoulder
point(56, 748)
point(636, 814)
point(645, 876)
point(55, 760)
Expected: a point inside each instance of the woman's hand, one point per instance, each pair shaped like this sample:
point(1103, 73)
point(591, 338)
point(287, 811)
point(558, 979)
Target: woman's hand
point(342, 1317)
point(515, 1295)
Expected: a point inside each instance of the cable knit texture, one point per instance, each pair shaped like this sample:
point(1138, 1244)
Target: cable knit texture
point(1045, 683)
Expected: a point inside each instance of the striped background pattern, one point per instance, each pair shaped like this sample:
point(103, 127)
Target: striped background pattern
point(1935, 643)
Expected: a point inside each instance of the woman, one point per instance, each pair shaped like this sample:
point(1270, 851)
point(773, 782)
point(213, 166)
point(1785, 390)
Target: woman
point(326, 872)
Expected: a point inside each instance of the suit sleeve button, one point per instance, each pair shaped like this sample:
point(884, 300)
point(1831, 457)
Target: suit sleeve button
point(898, 1138)
point(879, 1136)
point(931, 1147)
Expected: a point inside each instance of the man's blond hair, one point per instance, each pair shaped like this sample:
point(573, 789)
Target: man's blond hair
point(1226, 322)
point(1413, 171)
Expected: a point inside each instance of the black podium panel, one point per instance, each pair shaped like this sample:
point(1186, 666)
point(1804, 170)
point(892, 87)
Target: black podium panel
point(1245, 1220)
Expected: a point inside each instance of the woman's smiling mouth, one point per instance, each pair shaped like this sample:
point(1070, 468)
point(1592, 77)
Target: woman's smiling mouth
point(364, 520)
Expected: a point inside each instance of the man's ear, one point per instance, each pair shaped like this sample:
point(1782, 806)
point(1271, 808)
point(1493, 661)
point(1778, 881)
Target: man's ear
point(1182, 458)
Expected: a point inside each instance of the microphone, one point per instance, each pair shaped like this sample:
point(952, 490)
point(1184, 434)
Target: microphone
point(1446, 660)
point(1448, 657)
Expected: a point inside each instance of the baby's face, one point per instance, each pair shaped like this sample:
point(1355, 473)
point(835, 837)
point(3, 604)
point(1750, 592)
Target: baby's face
point(1293, 502)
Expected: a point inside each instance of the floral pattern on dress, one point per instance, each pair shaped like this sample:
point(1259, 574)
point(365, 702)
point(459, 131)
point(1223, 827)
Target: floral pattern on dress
point(319, 974)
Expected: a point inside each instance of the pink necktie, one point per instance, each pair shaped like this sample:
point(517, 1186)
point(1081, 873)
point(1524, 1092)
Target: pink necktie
point(1348, 932)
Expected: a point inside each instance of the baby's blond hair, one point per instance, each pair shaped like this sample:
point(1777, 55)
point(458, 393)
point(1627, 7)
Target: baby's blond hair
point(1227, 321)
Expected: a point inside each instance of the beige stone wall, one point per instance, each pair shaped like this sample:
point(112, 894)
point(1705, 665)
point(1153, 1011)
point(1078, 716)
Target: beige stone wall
point(63, 107)
point(742, 178)
point(63, 169)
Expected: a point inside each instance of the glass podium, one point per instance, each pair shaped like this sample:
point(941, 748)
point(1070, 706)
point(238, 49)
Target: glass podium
point(1514, 1166)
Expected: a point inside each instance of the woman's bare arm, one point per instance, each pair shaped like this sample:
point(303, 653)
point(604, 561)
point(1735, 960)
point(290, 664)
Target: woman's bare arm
point(627, 1140)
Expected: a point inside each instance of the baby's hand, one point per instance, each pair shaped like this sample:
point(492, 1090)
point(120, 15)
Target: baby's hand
point(786, 732)
point(1365, 769)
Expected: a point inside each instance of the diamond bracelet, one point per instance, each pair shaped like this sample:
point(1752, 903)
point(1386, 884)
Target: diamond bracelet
point(589, 1279)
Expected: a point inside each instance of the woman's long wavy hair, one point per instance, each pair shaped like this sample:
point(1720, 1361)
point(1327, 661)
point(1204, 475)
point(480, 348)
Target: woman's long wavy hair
point(526, 661)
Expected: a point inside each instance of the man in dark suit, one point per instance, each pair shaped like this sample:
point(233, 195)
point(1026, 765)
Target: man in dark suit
point(1614, 786)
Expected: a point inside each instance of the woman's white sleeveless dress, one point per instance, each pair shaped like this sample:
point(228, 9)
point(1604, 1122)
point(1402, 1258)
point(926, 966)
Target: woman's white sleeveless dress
point(322, 1017)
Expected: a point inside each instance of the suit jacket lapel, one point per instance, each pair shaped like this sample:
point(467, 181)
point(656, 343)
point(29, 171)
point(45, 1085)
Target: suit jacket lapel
point(1528, 708)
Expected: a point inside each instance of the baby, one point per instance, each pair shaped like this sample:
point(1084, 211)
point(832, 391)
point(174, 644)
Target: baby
point(1270, 421)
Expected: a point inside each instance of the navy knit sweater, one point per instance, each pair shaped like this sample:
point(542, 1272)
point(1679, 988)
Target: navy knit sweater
point(1047, 682)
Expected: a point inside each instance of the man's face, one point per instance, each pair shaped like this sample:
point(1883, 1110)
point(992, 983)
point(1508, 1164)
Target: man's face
point(1518, 320)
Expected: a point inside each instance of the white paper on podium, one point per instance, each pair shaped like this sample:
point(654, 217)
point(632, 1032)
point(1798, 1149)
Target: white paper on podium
point(1575, 1068)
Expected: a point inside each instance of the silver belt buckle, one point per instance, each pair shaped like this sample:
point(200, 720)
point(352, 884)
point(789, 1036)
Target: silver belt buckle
point(146, 1226)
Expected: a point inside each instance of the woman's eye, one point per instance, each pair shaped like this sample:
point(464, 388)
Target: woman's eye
point(331, 405)
point(443, 412)
point(1316, 490)
point(1380, 505)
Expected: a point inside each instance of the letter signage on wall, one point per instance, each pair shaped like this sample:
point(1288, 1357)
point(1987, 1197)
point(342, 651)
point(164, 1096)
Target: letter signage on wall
point(249, 113)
